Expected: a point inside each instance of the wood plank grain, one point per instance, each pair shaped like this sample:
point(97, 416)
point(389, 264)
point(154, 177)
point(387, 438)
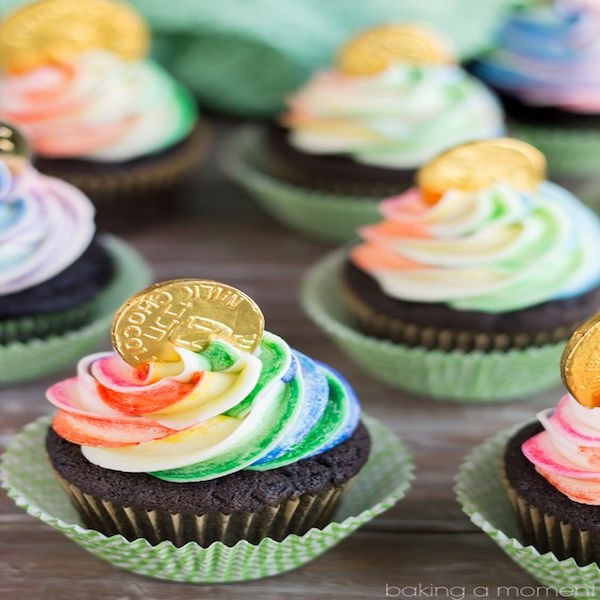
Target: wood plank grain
point(359, 567)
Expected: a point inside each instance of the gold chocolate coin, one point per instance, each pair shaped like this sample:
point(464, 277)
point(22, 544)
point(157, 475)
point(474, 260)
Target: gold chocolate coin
point(188, 313)
point(477, 165)
point(50, 31)
point(373, 50)
point(580, 364)
point(13, 144)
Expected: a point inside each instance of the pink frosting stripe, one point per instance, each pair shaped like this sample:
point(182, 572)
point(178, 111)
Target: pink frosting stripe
point(109, 403)
point(567, 452)
point(51, 225)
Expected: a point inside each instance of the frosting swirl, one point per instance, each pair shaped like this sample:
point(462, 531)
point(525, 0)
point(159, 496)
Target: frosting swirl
point(548, 56)
point(213, 413)
point(98, 107)
point(45, 226)
point(399, 118)
point(495, 250)
point(567, 452)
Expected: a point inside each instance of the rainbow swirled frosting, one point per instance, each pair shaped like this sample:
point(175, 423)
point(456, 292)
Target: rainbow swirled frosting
point(45, 226)
point(567, 452)
point(399, 118)
point(99, 107)
point(210, 414)
point(494, 250)
point(549, 56)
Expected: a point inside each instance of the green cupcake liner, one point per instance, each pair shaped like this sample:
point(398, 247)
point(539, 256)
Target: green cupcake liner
point(30, 482)
point(42, 326)
point(569, 151)
point(480, 493)
point(24, 361)
point(469, 377)
point(325, 216)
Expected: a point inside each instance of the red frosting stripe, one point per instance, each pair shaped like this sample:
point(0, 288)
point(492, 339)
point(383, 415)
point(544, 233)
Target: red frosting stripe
point(109, 432)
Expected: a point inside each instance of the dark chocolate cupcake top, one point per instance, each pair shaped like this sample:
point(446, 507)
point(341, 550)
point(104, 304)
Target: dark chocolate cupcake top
point(548, 56)
point(494, 247)
point(46, 225)
point(207, 414)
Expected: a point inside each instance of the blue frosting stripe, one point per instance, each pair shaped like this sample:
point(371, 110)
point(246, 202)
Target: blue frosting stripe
point(336, 425)
point(314, 397)
point(547, 54)
point(352, 414)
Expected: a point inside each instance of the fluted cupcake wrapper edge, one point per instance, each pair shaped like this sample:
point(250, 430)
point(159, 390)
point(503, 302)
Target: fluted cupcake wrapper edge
point(42, 326)
point(36, 357)
point(547, 533)
point(470, 377)
point(569, 150)
point(325, 216)
point(30, 482)
point(130, 196)
point(295, 516)
point(480, 492)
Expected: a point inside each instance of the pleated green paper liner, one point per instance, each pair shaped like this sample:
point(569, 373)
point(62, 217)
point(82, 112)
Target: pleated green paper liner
point(30, 482)
point(573, 156)
point(325, 216)
point(481, 494)
point(24, 361)
point(473, 376)
point(42, 326)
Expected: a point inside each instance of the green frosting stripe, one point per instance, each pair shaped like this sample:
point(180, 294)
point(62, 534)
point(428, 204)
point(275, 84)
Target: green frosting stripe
point(326, 430)
point(275, 359)
point(259, 438)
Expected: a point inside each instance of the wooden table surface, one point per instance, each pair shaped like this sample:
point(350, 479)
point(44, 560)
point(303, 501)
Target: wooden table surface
point(425, 540)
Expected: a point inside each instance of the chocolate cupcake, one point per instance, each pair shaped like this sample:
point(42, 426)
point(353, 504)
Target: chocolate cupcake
point(356, 132)
point(103, 117)
point(472, 283)
point(493, 268)
point(550, 468)
point(545, 69)
point(230, 436)
point(366, 125)
point(53, 267)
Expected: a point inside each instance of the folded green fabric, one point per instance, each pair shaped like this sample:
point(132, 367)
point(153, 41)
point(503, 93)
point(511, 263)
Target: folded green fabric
point(244, 56)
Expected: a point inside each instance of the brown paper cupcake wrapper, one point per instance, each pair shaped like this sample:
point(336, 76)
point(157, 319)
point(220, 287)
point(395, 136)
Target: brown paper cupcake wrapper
point(548, 534)
point(130, 196)
point(412, 335)
point(295, 516)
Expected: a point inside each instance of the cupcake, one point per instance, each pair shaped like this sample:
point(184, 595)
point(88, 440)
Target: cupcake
point(202, 427)
point(358, 131)
point(545, 67)
point(534, 488)
point(99, 114)
point(56, 274)
point(550, 466)
point(483, 257)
